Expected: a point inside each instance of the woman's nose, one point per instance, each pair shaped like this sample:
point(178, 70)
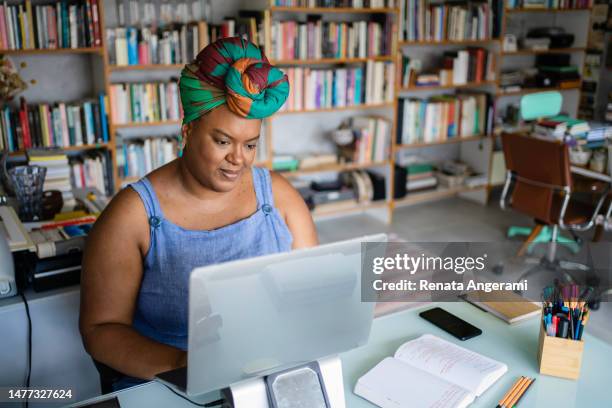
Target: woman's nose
point(236, 156)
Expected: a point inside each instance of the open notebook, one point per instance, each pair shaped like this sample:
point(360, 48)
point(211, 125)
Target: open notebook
point(429, 372)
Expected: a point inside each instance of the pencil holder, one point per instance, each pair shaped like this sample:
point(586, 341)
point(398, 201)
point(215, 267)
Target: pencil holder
point(559, 357)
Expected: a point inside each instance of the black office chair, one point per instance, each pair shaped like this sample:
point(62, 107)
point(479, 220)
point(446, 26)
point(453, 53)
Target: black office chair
point(108, 376)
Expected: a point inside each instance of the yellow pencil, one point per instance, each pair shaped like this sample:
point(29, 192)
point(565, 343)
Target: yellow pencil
point(503, 402)
point(522, 390)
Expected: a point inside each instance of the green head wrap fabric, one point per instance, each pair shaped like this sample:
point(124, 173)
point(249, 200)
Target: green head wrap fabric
point(236, 72)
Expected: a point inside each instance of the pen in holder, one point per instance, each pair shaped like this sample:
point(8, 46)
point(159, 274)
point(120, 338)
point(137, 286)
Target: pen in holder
point(564, 317)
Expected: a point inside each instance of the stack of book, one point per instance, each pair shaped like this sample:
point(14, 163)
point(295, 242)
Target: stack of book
point(444, 117)
point(426, 21)
point(143, 156)
point(420, 176)
point(330, 88)
point(59, 25)
point(58, 173)
point(285, 162)
point(549, 4)
point(57, 125)
point(317, 39)
point(372, 141)
point(473, 65)
point(92, 169)
point(145, 102)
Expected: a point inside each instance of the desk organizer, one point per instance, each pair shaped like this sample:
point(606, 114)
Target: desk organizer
point(559, 357)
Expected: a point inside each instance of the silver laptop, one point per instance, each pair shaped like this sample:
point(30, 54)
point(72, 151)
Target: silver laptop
point(254, 317)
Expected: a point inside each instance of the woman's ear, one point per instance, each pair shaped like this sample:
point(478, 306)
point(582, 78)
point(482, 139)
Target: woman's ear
point(185, 134)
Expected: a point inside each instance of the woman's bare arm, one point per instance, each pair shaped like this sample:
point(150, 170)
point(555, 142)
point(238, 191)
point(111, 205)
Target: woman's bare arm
point(110, 281)
point(296, 213)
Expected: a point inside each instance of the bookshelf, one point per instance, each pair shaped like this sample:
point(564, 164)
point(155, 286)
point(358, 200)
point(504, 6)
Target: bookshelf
point(64, 65)
point(427, 48)
point(518, 21)
point(315, 121)
point(339, 15)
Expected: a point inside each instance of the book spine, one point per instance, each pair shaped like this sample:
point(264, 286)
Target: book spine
point(30, 23)
point(97, 29)
point(3, 34)
point(23, 118)
point(103, 101)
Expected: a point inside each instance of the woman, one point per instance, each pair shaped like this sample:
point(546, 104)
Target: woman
point(206, 207)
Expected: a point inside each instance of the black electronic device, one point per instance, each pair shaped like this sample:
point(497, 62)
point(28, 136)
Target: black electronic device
point(559, 60)
point(399, 182)
point(557, 35)
point(451, 323)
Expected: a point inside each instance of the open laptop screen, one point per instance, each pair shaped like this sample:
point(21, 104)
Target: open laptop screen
point(253, 317)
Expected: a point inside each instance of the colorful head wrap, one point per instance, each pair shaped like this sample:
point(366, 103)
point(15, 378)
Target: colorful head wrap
point(236, 72)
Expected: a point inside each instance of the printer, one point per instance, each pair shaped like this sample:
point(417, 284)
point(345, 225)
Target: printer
point(13, 239)
point(39, 260)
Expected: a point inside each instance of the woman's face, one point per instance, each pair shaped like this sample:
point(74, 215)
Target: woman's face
point(220, 147)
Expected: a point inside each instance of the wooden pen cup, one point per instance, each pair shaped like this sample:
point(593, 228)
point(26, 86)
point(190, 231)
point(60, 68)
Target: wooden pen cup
point(559, 357)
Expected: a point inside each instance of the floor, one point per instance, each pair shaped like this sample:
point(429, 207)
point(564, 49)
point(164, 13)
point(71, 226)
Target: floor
point(458, 220)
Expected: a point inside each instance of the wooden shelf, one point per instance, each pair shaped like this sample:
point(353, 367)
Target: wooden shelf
point(44, 51)
point(335, 168)
point(321, 10)
point(145, 124)
point(549, 51)
point(331, 60)
point(127, 180)
point(145, 67)
point(354, 208)
point(435, 194)
point(449, 141)
point(545, 10)
point(447, 42)
point(435, 87)
point(526, 91)
point(64, 149)
point(335, 109)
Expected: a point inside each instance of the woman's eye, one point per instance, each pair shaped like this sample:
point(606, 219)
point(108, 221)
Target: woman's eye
point(251, 146)
point(222, 142)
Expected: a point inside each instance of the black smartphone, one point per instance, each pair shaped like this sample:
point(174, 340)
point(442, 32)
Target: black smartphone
point(451, 323)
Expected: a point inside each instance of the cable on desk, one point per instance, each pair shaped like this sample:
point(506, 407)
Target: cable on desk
point(29, 370)
point(207, 404)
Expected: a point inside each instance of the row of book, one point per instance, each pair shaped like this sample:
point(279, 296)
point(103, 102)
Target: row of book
point(458, 68)
point(148, 12)
point(444, 117)
point(317, 39)
point(59, 25)
point(425, 21)
point(175, 43)
point(336, 3)
point(549, 4)
point(145, 102)
point(140, 157)
point(340, 87)
point(92, 169)
point(371, 140)
point(56, 125)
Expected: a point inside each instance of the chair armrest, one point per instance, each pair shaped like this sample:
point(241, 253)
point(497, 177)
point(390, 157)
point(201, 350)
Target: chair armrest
point(603, 193)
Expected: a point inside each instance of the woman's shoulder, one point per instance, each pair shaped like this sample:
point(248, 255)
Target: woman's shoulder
point(285, 195)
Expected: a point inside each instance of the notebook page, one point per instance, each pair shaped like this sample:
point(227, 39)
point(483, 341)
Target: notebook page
point(394, 384)
point(453, 363)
